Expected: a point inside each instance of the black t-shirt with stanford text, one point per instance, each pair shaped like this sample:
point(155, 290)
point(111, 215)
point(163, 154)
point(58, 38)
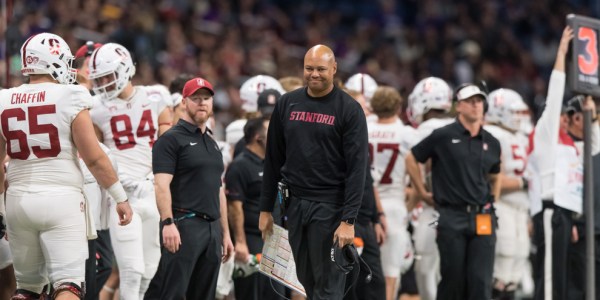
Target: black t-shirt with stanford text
point(196, 163)
point(243, 182)
point(460, 164)
point(319, 147)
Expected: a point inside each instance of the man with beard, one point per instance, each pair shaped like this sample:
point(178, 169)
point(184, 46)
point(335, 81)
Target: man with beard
point(187, 167)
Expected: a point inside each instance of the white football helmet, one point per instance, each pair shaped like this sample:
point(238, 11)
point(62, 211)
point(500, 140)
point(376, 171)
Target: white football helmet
point(507, 108)
point(252, 87)
point(363, 83)
point(48, 53)
point(429, 93)
point(111, 68)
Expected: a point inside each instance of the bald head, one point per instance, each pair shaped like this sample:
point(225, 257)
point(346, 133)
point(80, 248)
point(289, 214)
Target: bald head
point(320, 51)
point(319, 69)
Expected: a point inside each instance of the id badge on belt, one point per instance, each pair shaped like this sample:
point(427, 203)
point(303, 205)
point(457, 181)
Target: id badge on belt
point(483, 223)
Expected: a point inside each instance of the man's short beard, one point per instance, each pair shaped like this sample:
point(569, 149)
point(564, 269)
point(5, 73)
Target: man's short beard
point(198, 119)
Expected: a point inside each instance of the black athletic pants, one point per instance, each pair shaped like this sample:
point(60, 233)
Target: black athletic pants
point(466, 259)
point(374, 290)
point(577, 262)
point(98, 265)
point(562, 226)
point(256, 286)
point(191, 272)
point(311, 227)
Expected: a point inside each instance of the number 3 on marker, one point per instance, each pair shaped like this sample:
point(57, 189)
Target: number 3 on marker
point(588, 61)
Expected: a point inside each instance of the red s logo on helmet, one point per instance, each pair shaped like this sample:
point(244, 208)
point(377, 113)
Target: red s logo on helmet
point(54, 46)
point(120, 52)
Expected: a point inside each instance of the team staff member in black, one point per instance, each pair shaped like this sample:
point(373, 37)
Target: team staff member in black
point(317, 144)
point(187, 167)
point(243, 183)
point(465, 166)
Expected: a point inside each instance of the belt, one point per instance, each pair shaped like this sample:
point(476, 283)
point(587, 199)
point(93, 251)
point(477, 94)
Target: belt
point(191, 214)
point(470, 207)
point(548, 204)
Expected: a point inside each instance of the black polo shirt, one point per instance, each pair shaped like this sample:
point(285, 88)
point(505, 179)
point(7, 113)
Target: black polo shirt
point(196, 163)
point(243, 182)
point(460, 164)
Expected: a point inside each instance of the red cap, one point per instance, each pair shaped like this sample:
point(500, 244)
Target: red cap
point(195, 84)
point(87, 49)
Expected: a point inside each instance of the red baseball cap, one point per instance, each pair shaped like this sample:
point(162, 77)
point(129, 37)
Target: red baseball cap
point(87, 49)
point(194, 85)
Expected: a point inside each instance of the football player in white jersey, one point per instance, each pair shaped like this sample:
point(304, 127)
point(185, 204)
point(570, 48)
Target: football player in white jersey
point(389, 142)
point(249, 92)
point(44, 124)
point(428, 107)
point(506, 113)
point(128, 119)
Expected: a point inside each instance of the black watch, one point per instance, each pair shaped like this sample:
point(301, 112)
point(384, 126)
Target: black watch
point(350, 221)
point(167, 221)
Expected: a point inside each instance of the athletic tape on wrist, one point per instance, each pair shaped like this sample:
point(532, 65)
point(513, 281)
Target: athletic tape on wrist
point(117, 192)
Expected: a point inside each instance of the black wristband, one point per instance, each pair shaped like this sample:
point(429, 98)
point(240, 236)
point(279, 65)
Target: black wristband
point(525, 183)
point(167, 221)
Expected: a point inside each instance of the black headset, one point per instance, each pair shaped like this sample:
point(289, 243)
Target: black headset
point(482, 86)
point(575, 105)
point(346, 258)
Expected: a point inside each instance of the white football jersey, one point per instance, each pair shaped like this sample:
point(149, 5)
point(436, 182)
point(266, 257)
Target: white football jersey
point(36, 124)
point(427, 127)
point(514, 161)
point(130, 128)
point(388, 146)
point(235, 131)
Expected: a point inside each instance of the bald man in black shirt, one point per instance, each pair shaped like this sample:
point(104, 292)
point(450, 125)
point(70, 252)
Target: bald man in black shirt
point(317, 144)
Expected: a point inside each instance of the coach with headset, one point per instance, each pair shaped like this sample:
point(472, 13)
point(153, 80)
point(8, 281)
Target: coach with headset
point(465, 166)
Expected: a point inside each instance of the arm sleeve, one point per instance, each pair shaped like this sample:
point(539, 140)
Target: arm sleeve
point(496, 167)
point(356, 152)
point(545, 140)
point(164, 155)
point(424, 149)
point(274, 159)
point(369, 189)
point(234, 183)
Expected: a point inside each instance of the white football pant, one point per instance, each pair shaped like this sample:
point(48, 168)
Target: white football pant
point(136, 245)
point(394, 248)
point(427, 264)
point(5, 256)
point(512, 243)
point(47, 235)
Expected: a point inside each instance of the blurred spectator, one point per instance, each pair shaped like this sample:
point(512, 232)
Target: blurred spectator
point(508, 43)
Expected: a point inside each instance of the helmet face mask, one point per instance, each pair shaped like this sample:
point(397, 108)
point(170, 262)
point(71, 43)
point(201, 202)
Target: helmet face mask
point(252, 87)
point(507, 108)
point(111, 69)
point(48, 53)
point(430, 93)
